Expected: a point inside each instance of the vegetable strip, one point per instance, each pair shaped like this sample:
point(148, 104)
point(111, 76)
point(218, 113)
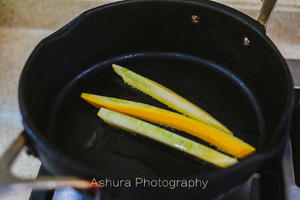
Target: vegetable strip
point(166, 137)
point(228, 143)
point(168, 97)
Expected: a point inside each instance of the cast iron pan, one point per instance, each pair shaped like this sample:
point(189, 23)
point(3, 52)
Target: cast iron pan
point(247, 87)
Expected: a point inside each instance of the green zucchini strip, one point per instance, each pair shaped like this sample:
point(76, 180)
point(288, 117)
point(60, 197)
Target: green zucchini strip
point(168, 97)
point(166, 137)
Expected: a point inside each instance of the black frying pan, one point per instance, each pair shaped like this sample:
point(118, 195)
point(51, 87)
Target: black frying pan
point(215, 56)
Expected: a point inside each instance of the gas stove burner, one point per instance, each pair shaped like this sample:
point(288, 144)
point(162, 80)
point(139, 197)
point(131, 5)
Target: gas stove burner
point(292, 191)
point(70, 193)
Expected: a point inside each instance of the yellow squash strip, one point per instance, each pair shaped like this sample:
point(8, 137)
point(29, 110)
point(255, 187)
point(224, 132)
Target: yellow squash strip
point(166, 137)
point(167, 97)
point(228, 143)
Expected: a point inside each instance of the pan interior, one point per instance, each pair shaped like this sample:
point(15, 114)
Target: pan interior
point(75, 128)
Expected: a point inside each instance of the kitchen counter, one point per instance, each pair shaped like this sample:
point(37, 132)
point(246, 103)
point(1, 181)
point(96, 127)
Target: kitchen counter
point(24, 23)
point(15, 47)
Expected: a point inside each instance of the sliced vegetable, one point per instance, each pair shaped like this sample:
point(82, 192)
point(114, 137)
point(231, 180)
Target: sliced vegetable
point(168, 97)
point(226, 142)
point(166, 137)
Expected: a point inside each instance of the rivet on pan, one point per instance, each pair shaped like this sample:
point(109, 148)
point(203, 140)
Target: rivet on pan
point(246, 41)
point(195, 19)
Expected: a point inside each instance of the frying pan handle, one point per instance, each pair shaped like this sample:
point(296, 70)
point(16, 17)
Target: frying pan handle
point(266, 11)
point(10, 184)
